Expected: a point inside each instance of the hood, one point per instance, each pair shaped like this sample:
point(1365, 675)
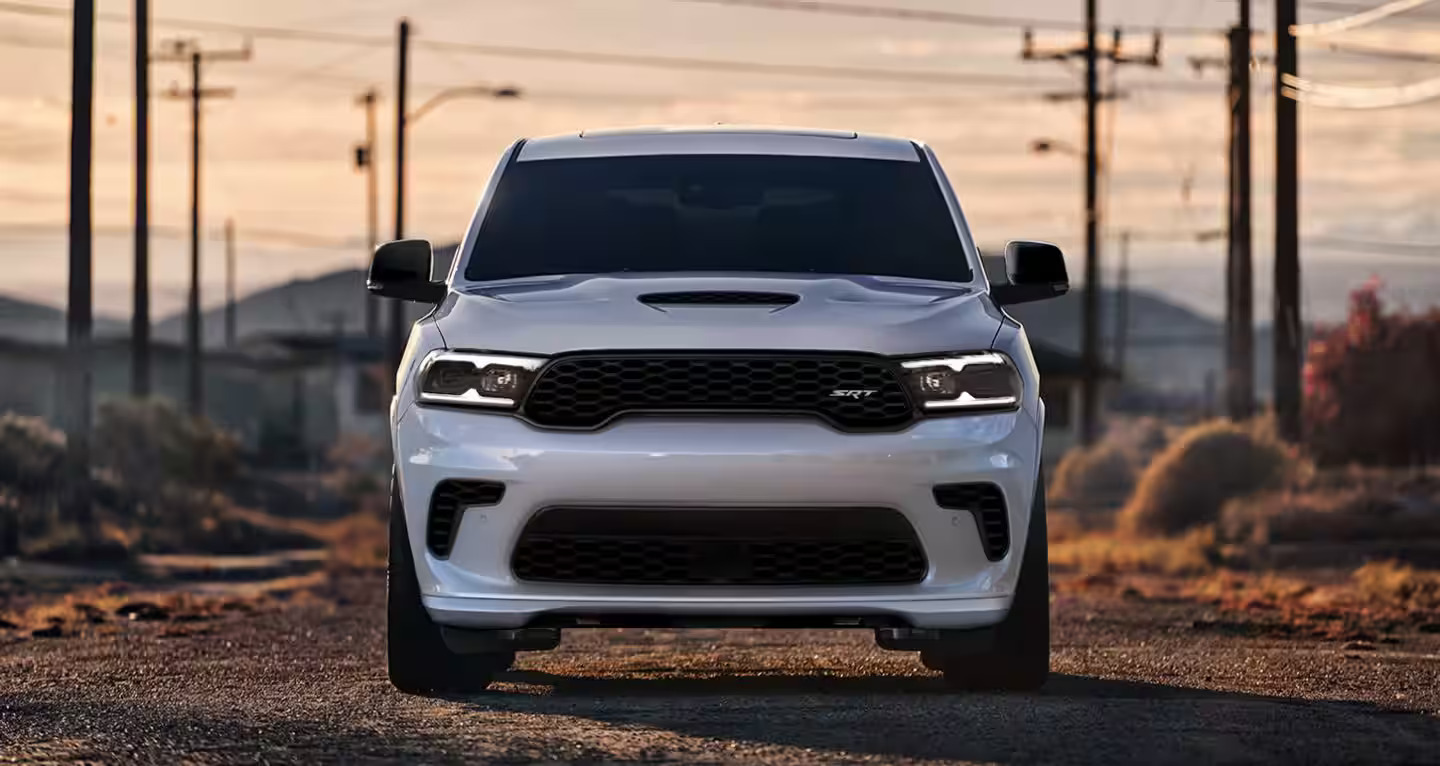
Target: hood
point(551, 315)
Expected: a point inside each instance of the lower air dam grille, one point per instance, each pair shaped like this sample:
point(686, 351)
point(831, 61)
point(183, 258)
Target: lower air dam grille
point(687, 546)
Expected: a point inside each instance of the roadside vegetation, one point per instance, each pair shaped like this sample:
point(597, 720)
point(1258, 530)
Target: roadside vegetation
point(1356, 504)
point(165, 483)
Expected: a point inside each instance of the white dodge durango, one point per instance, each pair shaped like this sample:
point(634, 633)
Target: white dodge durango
point(717, 376)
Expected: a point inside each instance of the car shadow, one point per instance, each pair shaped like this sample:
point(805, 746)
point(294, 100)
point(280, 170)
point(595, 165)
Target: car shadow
point(725, 684)
point(1075, 718)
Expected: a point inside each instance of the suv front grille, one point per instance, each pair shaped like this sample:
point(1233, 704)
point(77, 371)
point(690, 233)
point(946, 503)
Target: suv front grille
point(710, 546)
point(851, 392)
point(987, 504)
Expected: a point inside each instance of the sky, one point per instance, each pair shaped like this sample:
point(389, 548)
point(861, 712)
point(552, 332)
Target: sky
point(277, 155)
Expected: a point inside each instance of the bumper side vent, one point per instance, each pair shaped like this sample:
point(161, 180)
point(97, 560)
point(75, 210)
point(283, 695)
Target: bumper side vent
point(448, 503)
point(987, 504)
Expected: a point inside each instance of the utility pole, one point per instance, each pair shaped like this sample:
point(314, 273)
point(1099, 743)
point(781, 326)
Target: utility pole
point(140, 316)
point(185, 50)
point(1090, 340)
point(1239, 268)
point(1090, 299)
point(1287, 328)
point(365, 160)
point(1122, 303)
point(1239, 264)
point(229, 282)
point(395, 345)
point(79, 315)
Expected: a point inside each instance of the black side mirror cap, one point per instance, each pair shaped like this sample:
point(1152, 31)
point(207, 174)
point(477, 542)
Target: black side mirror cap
point(401, 270)
point(1036, 271)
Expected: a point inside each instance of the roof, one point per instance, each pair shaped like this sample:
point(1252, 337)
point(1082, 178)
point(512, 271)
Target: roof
point(719, 139)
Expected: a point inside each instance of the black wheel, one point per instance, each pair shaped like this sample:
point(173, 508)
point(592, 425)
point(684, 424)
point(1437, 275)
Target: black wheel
point(1017, 655)
point(419, 660)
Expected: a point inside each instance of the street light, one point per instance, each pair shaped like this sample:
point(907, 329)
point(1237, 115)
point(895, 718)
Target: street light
point(463, 91)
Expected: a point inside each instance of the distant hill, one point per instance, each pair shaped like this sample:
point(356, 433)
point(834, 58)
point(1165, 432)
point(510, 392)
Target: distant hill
point(1171, 347)
point(38, 323)
point(318, 305)
point(1168, 347)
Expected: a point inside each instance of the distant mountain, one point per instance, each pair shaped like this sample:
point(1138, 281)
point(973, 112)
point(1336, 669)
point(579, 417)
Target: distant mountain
point(38, 323)
point(323, 304)
point(1169, 347)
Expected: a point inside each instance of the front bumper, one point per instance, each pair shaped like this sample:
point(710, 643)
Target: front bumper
point(734, 462)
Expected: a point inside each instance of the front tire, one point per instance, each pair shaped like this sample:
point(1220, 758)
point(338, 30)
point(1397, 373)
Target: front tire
point(419, 661)
point(1018, 657)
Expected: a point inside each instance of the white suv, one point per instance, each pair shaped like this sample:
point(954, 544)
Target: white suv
point(717, 376)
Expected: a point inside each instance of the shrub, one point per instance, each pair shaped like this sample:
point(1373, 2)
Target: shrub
point(32, 454)
point(1369, 387)
point(1392, 582)
point(1188, 484)
point(149, 443)
point(1102, 474)
point(1348, 515)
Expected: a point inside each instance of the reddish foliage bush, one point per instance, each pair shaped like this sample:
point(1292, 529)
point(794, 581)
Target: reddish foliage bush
point(1370, 386)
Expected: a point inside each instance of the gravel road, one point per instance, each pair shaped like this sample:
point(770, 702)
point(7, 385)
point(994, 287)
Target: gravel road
point(1136, 682)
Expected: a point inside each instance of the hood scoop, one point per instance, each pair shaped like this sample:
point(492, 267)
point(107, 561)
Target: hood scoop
point(719, 298)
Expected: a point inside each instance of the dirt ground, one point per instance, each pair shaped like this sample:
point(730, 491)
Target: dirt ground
point(1136, 680)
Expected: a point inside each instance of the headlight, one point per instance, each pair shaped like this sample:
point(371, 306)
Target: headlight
point(964, 382)
point(479, 380)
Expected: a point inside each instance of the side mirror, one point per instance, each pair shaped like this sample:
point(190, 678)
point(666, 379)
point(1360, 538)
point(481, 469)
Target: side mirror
point(401, 270)
point(1036, 271)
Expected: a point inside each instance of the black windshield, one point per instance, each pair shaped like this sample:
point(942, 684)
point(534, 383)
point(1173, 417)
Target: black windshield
point(718, 213)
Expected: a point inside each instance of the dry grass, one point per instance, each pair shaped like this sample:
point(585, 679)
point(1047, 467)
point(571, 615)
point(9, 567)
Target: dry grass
point(103, 607)
point(1340, 506)
point(1248, 590)
point(1337, 516)
point(1399, 584)
point(1191, 553)
point(1188, 484)
point(359, 540)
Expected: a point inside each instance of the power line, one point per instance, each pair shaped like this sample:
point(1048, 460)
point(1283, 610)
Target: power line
point(260, 235)
point(1385, 53)
point(747, 67)
point(1361, 97)
point(1331, 5)
point(932, 16)
point(654, 61)
point(1427, 250)
point(1361, 19)
point(560, 54)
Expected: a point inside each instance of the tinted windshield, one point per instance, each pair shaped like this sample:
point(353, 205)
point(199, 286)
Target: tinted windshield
point(718, 213)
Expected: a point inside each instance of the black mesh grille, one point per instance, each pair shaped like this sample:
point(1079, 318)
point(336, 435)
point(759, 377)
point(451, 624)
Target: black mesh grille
point(987, 504)
point(851, 392)
point(450, 499)
point(691, 546)
point(719, 298)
